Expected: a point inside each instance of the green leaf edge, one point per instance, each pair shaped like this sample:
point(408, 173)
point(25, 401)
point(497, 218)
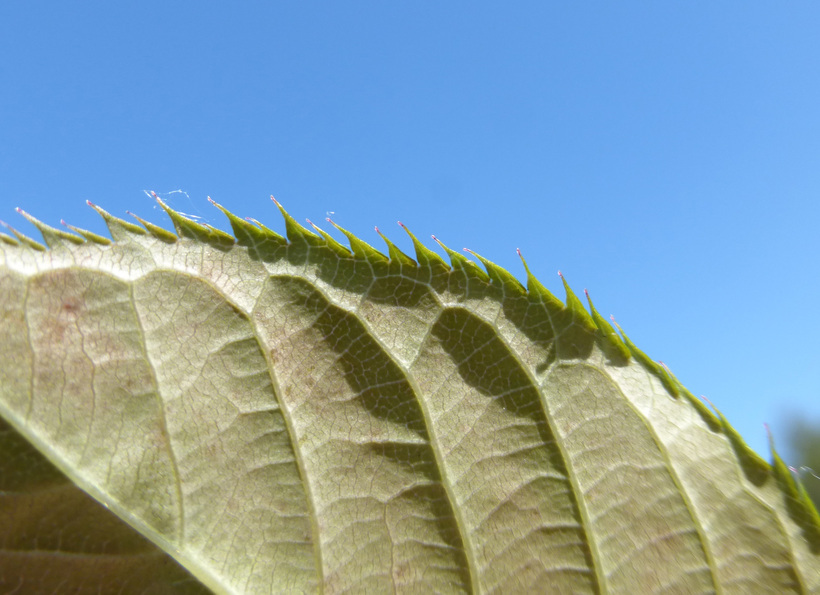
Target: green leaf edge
point(251, 234)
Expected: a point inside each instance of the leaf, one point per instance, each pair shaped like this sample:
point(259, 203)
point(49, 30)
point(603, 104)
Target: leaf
point(288, 415)
point(56, 538)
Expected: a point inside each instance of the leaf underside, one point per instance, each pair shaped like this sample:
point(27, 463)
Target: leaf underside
point(290, 415)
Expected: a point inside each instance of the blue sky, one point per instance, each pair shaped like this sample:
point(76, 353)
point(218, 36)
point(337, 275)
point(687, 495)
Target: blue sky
point(666, 156)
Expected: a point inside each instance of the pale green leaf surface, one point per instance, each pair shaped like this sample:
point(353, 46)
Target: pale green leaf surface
point(286, 417)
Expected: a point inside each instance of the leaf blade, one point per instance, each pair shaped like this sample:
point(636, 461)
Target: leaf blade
point(309, 419)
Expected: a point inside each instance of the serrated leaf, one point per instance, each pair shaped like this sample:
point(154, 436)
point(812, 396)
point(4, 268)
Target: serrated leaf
point(292, 417)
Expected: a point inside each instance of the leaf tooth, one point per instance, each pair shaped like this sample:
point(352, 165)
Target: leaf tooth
point(158, 232)
point(462, 263)
point(247, 234)
point(21, 238)
point(120, 229)
point(295, 231)
point(54, 238)
point(606, 331)
point(501, 276)
point(360, 248)
point(577, 309)
point(457, 260)
point(536, 288)
point(6, 238)
point(754, 467)
point(648, 363)
point(340, 249)
point(711, 420)
point(269, 234)
point(666, 379)
point(188, 228)
point(90, 236)
point(798, 502)
point(425, 256)
point(396, 255)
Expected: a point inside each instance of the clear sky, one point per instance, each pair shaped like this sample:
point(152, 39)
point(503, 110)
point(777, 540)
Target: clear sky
point(664, 155)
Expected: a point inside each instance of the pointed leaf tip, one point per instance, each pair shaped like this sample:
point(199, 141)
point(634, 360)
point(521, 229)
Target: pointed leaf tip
point(757, 470)
point(330, 241)
point(575, 306)
point(89, 236)
point(158, 232)
point(297, 233)
point(535, 287)
point(23, 238)
point(244, 233)
point(396, 255)
point(462, 263)
point(500, 276)
point(187, 227)
point(425, 257)
point(360, 248)
point(605, 330)
point(120, 230)
point(53, 237)
point(524, 262)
